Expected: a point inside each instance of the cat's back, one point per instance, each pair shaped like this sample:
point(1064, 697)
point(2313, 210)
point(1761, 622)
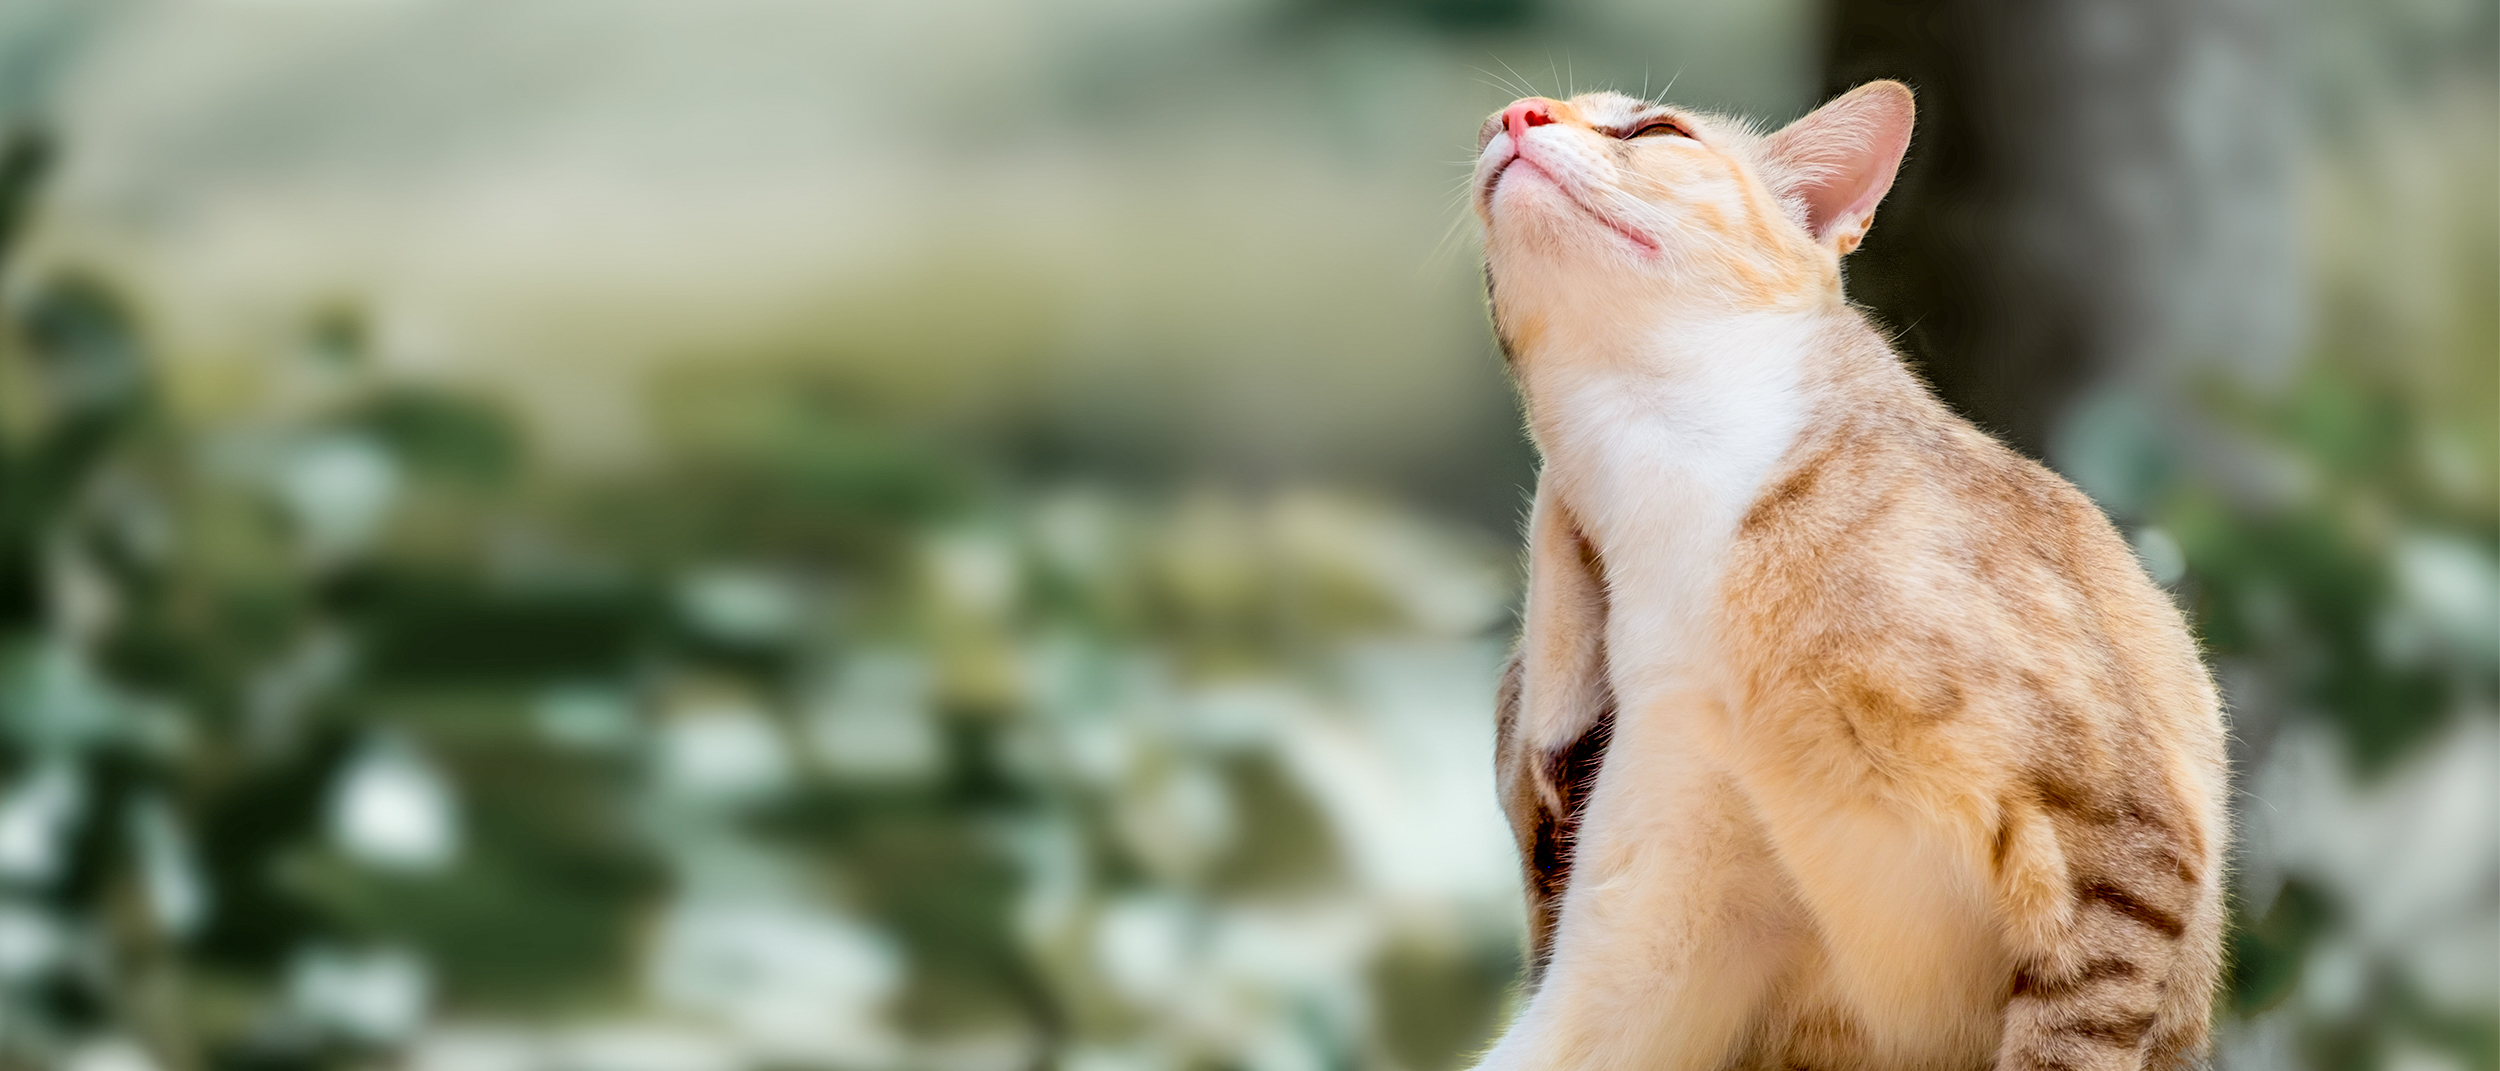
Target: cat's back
point(1922, 621)
point(1904, 552)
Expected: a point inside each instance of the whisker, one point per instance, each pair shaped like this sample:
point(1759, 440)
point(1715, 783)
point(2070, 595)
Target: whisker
point(1905, 332)
point(1451, 239)
point(1514, 72)
point(1507, 85)
point(1510, 82)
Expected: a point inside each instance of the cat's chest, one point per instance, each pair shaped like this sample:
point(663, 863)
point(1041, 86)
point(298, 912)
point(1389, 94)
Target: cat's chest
point(1660, 473)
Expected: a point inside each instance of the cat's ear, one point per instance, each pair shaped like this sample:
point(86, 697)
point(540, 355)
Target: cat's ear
point(1839, 160)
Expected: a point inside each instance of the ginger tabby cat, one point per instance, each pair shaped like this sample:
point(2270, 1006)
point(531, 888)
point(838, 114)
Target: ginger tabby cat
point(1840, 737)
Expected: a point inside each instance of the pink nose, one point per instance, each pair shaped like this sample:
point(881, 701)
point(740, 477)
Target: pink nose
point(1522, 114)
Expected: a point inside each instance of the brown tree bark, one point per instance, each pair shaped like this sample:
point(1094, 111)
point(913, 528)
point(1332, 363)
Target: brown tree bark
point(2097, 189)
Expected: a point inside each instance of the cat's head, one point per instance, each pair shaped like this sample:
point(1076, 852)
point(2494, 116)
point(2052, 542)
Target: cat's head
point(1603, 194)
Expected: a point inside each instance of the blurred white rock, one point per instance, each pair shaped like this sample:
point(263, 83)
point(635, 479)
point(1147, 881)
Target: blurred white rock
point(645, 1046)
point(177, 894)
point(586, 717)
point(374, 996)
point(475, 1048)
point(32, 943)
point(722, 751)
point(741, 605)
point(792, 980)
point(338, 489)
point(35, 820)
point(1146, 945)
point(871, 717)
point(109, 1054)
point(394, 810)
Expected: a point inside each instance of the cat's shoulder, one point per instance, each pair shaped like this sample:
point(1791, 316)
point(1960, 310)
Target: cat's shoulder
point(1882, 458)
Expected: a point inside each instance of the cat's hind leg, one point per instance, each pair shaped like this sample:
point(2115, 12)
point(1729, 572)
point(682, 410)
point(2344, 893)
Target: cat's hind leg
point(1553, 714)
point(2126, 922)
point(1562, 642)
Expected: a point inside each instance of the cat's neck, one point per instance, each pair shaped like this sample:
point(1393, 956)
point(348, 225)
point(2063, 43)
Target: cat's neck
point(1703, 376)
point(1659, 433)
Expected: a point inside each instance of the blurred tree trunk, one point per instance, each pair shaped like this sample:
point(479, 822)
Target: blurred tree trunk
point(2097, 190)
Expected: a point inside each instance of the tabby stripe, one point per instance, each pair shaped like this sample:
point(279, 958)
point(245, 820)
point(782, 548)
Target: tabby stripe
point(2123, 1033)
point(2032, 986)
point(2125, 903)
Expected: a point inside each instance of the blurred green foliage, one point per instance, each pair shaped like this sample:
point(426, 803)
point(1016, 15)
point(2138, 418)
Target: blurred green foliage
point(325, 726)
point(343, 728)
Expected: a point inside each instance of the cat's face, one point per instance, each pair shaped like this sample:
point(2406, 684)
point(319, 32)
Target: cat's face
point(1602, 193)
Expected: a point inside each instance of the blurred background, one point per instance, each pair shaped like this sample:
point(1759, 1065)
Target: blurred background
point(550, 535)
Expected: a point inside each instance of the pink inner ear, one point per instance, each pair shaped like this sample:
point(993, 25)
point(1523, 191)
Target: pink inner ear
point(1840, 159)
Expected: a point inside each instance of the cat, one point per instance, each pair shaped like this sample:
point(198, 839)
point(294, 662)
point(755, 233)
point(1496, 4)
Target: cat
point(1839, 737)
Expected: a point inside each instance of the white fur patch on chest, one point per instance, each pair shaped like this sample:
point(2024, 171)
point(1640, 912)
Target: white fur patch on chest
point(1660, 458)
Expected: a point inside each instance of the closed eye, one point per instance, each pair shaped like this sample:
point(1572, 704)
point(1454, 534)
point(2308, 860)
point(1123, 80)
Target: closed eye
point(1656, 127)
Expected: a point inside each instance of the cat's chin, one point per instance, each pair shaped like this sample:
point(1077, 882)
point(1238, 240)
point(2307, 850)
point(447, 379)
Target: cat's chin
point(1523, 189)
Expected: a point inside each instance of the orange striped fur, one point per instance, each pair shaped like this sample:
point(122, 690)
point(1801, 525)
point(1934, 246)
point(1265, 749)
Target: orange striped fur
point(1840, 737)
